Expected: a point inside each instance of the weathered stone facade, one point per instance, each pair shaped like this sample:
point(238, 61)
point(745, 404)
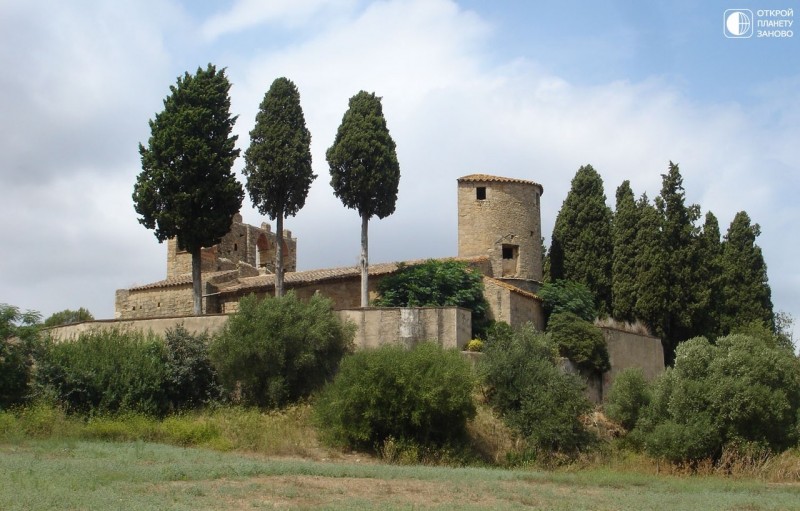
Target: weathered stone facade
point(500, 218)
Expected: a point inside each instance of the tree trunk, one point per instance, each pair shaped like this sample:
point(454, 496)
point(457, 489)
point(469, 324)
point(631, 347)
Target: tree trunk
point(197, 283)
point(364, 262)
point(279, 256)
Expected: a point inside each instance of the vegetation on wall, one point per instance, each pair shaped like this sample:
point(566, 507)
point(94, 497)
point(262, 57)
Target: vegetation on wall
point(580, 341)
point(68, 316)
point(437, 283)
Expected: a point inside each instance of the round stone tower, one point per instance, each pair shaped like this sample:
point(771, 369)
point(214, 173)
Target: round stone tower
point(499, 217)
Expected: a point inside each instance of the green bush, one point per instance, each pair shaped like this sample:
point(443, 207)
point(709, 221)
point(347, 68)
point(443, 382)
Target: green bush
point(742, 389)
point(18, 341)
point(190, 377)
point(535, 397)
point(437, 283)
point(567, 296)
point(68, 316)
point(475, 345)
point(629, 395)
point(422, 395)
point(107, 371)
point(579, 341)
point(278, 350)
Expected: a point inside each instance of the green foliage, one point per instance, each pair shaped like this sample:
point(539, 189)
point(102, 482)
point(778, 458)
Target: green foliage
point(567, 296)
point(363, 163)
point(623, 267)
point(278, 161)
point(190, 378)
point(579, 341)
point(107, 371)
point(422, 395)
point(746, 292)
point(475, 345)
point(187, 189)
point(18, 340)
point(278, 350)
point(650, 267)
point(741, 389)
point(67, 317)
point(437, 283)
point(534, 396)
point(710, 298)
point(629, 395)
point(581, 247)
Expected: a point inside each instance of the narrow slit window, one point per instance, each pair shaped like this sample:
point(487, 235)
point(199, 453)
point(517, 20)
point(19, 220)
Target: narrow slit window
point(480, 193)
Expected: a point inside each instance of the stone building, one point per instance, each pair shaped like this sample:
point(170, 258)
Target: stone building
point(499, 234)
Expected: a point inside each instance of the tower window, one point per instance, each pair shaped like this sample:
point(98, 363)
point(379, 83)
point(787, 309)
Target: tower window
point(480, 193)
point(508, 251)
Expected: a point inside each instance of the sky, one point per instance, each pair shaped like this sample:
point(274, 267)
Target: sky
point(523, 89)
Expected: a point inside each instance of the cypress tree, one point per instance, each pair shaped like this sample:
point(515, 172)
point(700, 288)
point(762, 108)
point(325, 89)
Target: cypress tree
point(278, 161)
point(581, 244)
point(709, 308)
point(623, 266)
point(681, 257)
point(746, 293)
point(650, 268)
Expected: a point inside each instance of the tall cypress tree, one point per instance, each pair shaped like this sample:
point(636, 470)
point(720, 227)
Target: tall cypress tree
point(650, 268)
point(623, 267)
point(365, 173)
point(278, 161)
point(680, 251)
point(581, 243)
point(709, 308)
point(746, 292)
point(187, 189)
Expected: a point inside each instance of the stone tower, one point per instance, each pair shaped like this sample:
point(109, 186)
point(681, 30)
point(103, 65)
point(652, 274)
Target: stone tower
point(499, 217)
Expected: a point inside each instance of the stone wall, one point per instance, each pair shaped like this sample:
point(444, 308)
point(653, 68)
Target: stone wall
point(627, 349)
point(449, 326)
point(512, 305)
point(154, 302)
point(500, 218)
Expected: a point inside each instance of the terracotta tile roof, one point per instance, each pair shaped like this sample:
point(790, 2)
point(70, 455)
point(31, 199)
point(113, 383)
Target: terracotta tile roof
point(326, 274)
point(510, 287)
point(482, 178)
point(180, 280)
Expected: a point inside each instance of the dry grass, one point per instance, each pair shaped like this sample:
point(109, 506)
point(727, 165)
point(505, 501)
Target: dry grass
point(637, 327)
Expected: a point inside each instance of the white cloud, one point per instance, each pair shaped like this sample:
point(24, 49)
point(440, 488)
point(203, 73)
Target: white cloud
point(451, 109)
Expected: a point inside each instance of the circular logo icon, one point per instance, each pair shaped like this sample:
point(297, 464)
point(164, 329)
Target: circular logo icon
point(738, 24)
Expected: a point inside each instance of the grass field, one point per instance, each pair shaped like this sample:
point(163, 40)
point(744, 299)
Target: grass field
point(77, 474)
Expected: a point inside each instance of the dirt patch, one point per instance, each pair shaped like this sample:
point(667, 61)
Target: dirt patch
point(292, 492)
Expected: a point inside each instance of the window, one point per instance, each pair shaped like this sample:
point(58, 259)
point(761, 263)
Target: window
point(508, 251)
point(481, 193)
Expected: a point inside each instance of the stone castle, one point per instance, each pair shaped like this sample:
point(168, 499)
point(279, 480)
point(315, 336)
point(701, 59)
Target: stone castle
point(499, 234)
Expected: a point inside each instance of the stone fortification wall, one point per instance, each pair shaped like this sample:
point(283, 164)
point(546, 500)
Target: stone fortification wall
point(512, 305)
point(500, 218)
point(627, 349)
point(254, 246)
point(449, 326)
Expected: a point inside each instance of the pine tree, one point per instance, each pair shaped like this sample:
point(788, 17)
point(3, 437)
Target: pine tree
point(364, 170)
point(623, 268)
point(746, 292)
point(186, 189)
point(278, 161)
point(581, 244)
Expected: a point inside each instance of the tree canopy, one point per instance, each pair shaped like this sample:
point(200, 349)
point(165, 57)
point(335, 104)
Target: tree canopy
point(278, 161)
point(365, 173)
point(581, 245)
point(623, 267)
point(186, 189)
